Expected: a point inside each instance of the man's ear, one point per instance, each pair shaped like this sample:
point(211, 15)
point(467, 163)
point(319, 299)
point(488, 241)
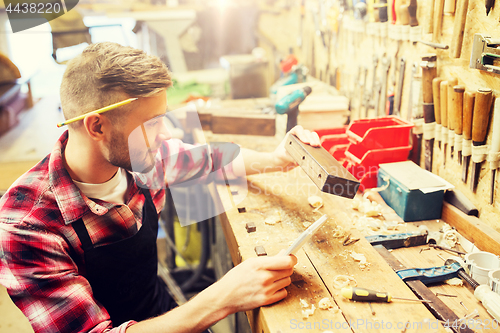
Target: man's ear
point(94, 124)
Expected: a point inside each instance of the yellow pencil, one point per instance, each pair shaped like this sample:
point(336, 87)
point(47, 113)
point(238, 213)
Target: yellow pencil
point(101, 110)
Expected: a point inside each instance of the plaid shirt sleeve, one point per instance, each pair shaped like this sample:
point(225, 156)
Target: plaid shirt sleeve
point(182, 162)
point(43, 282)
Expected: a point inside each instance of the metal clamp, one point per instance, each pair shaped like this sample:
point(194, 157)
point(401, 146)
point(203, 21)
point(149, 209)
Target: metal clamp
point(485, 53)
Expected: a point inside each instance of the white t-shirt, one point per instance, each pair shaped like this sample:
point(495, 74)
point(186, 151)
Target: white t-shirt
point(111, 191)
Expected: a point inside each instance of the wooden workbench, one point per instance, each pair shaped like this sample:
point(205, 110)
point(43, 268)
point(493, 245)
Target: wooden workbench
point(324, 257)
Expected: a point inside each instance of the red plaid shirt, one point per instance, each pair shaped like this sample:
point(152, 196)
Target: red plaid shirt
point(40, 254)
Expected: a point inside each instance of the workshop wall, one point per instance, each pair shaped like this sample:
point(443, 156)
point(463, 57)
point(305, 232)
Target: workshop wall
point(339, 49)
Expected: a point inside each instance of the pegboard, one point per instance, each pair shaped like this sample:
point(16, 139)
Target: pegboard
point(339, 49)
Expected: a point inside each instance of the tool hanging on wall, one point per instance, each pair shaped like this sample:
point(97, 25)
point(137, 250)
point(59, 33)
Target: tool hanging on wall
point(437, 108)
point(370, 97)
point(451, 115)
point(434, 45)
point(429, 23)
point(485, 53)
point(458, 29)
point(449, 7)
point(489, 4)
point(438, 20)
point(480, 119)
point(386, 65)
point(399, 91)
point(458, 101)
point(415, 115)
point(429, 72)
point(443, 96)
point(494, 155)
point(469, 99)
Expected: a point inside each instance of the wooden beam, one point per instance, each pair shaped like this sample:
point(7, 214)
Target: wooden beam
point(483, 236)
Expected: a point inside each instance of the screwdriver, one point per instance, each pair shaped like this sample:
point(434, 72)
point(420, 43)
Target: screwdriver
point(367, 295)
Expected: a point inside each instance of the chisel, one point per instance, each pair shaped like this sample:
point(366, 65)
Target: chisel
point(469, 98)
point(494, 156)
point(459, 28)
point(438, 20)
point(480, 119)
point(429, 72)
point(451, 115)
point(437, 107)
point(458, 102)
point(443, 96)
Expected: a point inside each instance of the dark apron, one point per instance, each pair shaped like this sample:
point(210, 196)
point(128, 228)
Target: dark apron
point(123, 275)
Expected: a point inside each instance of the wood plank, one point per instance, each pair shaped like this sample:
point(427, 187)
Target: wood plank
point(483, 236)
point(306, 283)
point(285, 194)
point(245, 124)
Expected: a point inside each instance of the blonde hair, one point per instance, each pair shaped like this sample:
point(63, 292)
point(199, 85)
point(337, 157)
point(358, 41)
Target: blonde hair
point(106, 73)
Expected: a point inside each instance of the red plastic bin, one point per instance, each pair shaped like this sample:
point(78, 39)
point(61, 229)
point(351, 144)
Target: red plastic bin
point(363, 163)
point(378, 133)
point(334, 140)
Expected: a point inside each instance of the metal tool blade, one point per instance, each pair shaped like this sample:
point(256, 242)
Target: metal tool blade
point(492, 194)
point(465, 168)
point(476, 169)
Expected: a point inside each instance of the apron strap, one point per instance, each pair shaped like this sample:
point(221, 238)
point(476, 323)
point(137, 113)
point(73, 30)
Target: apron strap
point(83, 234)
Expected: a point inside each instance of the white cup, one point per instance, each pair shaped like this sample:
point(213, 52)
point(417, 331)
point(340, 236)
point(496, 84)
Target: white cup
point(494, 278)
point(480, 264)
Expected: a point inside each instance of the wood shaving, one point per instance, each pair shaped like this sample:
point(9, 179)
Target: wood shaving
point(339, 232)
point(342, 281)
point(306, 224)
point(361, 258)
point(367, 207)
point(303, 303)
point(325, 304)
point(454, 282)
point(315, 201)
point(450, 236)
point(308, 312)
point(273, 219)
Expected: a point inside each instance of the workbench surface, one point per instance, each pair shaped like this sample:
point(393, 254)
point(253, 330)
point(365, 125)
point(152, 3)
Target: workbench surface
point(284, 195)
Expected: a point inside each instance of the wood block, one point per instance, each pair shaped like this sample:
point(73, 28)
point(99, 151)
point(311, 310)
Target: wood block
point(245, 124)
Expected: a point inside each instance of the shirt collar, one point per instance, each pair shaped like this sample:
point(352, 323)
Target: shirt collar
point(72, 203)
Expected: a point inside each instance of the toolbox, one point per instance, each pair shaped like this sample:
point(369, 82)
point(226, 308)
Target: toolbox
point(414, 193)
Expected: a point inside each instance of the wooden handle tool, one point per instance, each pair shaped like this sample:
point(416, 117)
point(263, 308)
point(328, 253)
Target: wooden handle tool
point(458, 102)
point(480, 119)
point(451, 115)
point(429, 25)
point(438, 20)
point(403, 15)
point(469, 98)
point(437, 107)
point(412, 10)
point(443, 96)
point(458, 29)
point(436, 82)
point(449, 7)
point(429, 72)
point(495, 146)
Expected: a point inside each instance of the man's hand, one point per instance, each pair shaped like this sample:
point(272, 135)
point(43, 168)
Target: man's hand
point(256, 282)
point(282, 158)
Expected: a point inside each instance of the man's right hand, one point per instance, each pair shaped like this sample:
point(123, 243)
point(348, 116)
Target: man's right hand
point(256, 282)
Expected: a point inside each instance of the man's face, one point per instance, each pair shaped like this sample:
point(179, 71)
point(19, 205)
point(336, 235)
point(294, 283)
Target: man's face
point(134, 145)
